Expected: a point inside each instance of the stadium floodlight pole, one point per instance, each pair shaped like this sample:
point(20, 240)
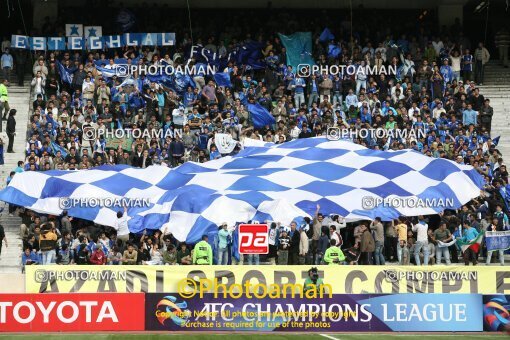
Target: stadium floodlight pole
point(189, 19)
point(486, 23)
point(352, 39)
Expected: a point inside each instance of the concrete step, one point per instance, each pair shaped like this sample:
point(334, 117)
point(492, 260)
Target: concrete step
point(19, 99)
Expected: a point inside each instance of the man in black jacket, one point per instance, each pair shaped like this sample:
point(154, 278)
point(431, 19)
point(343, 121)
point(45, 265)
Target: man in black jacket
point(11, 129)
point(137, 157)
point(294, 244)
point(2, 238)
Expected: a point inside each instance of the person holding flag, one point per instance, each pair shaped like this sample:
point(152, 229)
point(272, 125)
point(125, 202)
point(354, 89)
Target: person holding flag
point(446, 71)
point(495, 226)
point(470, 243)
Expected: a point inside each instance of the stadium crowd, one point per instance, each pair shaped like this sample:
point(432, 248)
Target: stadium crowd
point(433, 100)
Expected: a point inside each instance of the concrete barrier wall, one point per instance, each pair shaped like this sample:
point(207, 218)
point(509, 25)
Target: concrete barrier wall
point(12, 283)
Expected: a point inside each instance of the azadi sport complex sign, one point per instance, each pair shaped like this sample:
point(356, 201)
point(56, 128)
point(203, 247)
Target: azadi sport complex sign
point(190, 281)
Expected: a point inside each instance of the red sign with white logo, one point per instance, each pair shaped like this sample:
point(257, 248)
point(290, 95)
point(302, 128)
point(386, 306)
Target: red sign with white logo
point(72, 312)
point(253, 239)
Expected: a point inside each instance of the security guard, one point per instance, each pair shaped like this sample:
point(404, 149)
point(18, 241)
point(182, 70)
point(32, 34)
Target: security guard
point(333, 254)
point(202, 253)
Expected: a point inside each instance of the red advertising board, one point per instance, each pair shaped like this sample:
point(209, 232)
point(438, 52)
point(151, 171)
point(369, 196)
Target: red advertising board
point(253, 239)
point(72, 312)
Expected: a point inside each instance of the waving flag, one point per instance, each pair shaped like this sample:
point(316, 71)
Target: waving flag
point(495, 141)
point(66, 74)
point(250, 53)
point(473, 244)
point(299, 48)
point(108, 72)
point(334, 50)
point(222, 79)
point(278, 183)
point(260, 115)
point(326, 35)
point(55, 147)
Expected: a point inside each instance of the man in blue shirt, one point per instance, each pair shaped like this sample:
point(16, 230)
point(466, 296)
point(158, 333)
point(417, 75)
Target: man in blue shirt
point(298, 85)
point(471, 252)
point(7, 63)
point(351, 99)
point(223, 242)
point(29, 258)
point(469, 116)
point(446, 71)
point(313, 90)
point(467, 66)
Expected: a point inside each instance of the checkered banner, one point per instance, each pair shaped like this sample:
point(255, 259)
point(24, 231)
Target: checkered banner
point(270, 182)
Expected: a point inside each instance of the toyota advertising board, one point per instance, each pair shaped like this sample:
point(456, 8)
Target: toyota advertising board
point(72, 312)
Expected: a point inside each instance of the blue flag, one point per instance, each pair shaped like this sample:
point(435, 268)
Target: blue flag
point(181, 82)
point(222, 79)
point(249, 53)
point(495, 141)
point(55, 147)
point(299, 48)
point(334, 50)
point(260, 115)
point(65, 74)
point(107, 72)
point(326, 35)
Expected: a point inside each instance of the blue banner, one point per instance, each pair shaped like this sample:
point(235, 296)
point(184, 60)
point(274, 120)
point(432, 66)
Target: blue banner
point(92, 42)
point(278, 312)
point(20, 41)
point(299, 48)
point(37, 43)
point(56, 43)
point(75, 43)
point(248, 54)
point(497, 240)
point(428, 312)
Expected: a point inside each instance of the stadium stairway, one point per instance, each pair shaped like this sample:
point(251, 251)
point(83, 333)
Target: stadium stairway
point(19, 99)
point(496, 87)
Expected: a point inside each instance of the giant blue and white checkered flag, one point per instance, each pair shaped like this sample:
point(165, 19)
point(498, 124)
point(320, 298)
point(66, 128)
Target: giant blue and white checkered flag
point(270, 182)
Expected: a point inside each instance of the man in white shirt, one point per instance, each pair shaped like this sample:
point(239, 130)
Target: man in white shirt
point(294, 131)
point(38, 83)
point(121, 225)
point(421, 241)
